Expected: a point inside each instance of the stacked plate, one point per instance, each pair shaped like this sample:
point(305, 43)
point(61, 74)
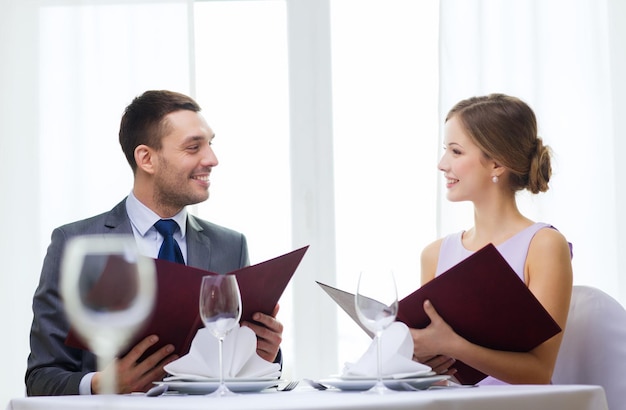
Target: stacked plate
point(204, 385)
point(354, 383)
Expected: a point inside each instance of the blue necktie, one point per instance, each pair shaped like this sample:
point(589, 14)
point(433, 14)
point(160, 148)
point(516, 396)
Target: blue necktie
point(170, 251)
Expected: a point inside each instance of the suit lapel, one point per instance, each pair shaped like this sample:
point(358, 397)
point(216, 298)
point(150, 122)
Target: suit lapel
point(198, 245)
point(117, 220)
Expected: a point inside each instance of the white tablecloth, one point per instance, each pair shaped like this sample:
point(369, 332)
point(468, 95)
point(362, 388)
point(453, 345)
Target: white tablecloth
point(570, 397)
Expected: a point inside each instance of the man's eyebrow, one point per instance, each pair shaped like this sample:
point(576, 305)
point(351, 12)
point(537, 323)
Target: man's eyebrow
point(195, 138)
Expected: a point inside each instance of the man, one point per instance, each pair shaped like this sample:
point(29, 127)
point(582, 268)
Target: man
point(167, 143)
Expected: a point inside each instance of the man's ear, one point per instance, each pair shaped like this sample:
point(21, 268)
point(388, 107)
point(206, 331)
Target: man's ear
point(145, 158)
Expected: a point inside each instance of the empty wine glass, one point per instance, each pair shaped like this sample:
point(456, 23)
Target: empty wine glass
point(108, 292)
point(376, 303)
point(220, 310)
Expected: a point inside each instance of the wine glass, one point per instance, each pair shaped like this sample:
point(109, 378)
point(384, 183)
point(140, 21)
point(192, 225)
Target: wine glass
point(376, 303)
point(220, 310)
point(108, 292)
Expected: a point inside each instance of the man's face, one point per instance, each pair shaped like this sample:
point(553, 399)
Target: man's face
point(184, 162)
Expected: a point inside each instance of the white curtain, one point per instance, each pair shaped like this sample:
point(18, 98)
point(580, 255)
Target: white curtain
point(67, 70)
point(566, 59)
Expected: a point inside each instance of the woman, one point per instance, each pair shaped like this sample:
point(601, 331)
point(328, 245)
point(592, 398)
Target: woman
point(492, 151)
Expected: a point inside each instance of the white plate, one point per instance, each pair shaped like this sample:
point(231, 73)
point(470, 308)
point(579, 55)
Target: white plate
point(361, 384)
point(424, 373)
point(209, 386)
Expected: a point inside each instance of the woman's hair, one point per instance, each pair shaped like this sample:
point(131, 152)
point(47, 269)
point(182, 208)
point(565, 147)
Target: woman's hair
point(505, 129)
point(143, 120)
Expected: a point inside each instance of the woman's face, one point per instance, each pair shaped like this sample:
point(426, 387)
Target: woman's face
point(466, 170)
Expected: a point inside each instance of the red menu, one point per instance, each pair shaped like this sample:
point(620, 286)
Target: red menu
point(176, 316)
point(483, 300)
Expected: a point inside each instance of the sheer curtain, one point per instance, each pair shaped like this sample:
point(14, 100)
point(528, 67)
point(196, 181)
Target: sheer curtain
point(566, 60)
point(68, 70)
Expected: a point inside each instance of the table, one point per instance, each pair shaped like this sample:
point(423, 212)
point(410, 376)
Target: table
point(510, 397)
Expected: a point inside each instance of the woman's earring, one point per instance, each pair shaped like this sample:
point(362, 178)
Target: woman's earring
point(494, 179)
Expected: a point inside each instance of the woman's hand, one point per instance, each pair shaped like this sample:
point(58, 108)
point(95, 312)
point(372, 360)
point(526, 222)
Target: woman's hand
point(432, 345)
point(439, 364)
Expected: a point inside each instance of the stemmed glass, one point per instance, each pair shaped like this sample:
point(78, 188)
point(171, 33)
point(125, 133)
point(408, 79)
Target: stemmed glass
point(108, 291)
point(376, 303)
point(220, 310)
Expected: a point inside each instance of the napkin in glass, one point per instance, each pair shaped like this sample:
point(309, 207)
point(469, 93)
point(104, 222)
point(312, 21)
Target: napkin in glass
point(397, 357)
point(240, 357)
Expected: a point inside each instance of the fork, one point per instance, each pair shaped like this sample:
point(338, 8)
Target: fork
point(316, 385)
point(289, 386)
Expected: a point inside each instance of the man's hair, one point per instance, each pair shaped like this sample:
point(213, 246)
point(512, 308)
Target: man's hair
point(144, 123)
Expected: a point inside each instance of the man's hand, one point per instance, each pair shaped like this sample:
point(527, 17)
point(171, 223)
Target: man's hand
point(269, 334)
point(132, 376)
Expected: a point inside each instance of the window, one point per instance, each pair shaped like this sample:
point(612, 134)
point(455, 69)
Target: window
point(385, 137)
point(385, 119)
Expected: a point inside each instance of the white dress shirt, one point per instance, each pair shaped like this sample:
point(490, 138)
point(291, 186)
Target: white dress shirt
point(148, 239)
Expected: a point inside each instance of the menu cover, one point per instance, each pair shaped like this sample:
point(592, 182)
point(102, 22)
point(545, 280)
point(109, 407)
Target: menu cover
point(176, 316)
point(482, 299)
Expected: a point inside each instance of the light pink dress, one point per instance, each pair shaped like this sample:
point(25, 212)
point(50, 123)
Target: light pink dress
point(514, 250)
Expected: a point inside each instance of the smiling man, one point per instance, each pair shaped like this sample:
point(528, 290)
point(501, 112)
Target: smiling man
point(167, 143)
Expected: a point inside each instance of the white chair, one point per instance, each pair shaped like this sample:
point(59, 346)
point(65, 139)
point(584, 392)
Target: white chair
point(593, 350)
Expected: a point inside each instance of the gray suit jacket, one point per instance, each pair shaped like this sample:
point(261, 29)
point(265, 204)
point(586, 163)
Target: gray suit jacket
point(55, 369)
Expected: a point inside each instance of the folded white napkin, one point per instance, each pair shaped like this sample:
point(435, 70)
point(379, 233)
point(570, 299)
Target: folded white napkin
point(240, 357)
point(397, 356)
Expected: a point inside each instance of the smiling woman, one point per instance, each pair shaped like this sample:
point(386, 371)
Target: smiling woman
point(492, 150)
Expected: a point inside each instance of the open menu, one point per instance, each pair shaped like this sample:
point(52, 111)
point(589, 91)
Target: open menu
point(482, 299)
point(176, 317)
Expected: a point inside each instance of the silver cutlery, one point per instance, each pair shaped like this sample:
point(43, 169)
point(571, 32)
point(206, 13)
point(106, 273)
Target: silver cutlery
point(289, 386)
point(157, 390)
point(315, 385)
